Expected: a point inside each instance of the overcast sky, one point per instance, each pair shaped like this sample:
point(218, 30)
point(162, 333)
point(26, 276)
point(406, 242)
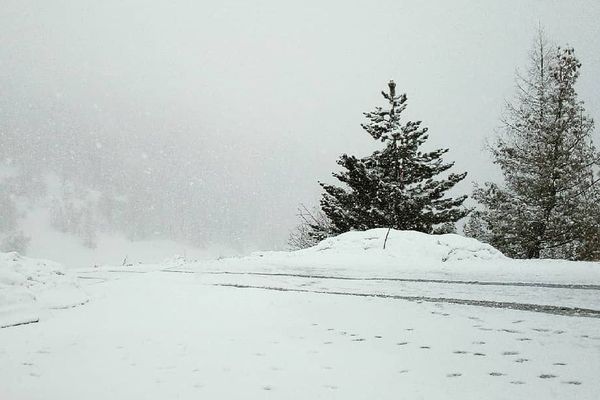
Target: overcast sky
point(273, 91)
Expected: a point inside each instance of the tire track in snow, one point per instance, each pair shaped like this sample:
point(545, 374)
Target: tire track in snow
point(25, 321)
point(541, 308)
point(418, 280)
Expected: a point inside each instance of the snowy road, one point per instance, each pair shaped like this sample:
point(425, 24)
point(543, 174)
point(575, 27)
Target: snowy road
point(583, 300)
point(159, 335)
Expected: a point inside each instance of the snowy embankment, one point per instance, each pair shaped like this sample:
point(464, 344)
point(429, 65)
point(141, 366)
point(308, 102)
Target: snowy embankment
point(409, 254)
point(31, 287)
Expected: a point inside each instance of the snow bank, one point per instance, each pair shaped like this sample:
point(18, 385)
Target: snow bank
point(30, 286)
point(408, 254)
point(404, 247)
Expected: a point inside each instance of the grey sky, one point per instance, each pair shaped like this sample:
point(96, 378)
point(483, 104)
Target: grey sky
point(271, 92)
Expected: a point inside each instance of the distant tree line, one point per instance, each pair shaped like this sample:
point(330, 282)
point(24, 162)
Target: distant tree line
point(547, 207)
point(91, 181)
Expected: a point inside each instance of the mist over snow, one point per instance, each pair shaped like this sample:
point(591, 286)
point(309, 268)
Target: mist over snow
point(204, 124)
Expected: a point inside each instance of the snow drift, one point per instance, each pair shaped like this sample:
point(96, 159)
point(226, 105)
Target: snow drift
point(29, 287)
point(408, 254)
point(403, 248)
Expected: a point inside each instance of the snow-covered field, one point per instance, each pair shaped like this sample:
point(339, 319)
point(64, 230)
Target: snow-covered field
point(430, 317)
point(30, 288)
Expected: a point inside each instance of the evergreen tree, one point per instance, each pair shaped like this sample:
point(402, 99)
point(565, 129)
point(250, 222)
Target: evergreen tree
point(548, 206)
point(395, 187)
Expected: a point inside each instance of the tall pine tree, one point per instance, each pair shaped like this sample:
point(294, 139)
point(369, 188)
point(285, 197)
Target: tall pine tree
point(398, 186)
point(549, 204)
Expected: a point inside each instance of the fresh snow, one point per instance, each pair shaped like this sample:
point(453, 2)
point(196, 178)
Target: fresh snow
point(29, 287)
point(428, 317)
point(411, 255)
point(110, 248)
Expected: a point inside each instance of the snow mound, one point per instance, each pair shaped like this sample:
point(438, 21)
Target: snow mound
point(29, 286)
point(405, 246)
point(363, 252)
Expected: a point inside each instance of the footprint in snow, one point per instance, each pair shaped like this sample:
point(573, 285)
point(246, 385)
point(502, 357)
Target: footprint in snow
point(378, 336)
point(559, 363)
point(425, 347)
point(460, 352)
point(479, 354)
point(440, 313)
point(401, 343)
point(507, 330)
point(547, 376)
point(496, 374)
point(521, 360)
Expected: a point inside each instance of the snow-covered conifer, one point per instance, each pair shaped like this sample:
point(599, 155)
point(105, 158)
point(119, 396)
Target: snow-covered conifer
point(548, 205)
point(398, 186)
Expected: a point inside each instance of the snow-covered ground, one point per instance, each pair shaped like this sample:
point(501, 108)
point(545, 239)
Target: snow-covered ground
point(30, 288)
point(429, 317)
point(68, 249)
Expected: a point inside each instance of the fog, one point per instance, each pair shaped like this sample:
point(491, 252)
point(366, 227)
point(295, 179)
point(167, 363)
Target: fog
point(213, 120)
